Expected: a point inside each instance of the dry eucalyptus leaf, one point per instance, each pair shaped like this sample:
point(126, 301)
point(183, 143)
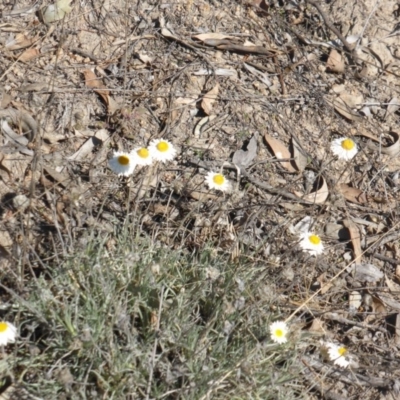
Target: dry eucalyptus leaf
point(20, 41)
point(280, 151)
point(393, 106)
point(260, 75)
point(5, 98)
point(353, 194)
point(355, 238)
point(217, 71)
point(355, 301)
point(87, 148)
point(317, 325)
point(242, 158)
point(198, 130)
point(353, 99)
point(397, 337)
point(378, 306)
point(167, 33)
point(21, 120)
point(335, 62)
point(5, 239)
point(56, 12)
point(317, 197)
point(29, 54)
point(303, 226)
point(393, 149)
point(367, 273)
point(343, 109)
point(97, 85)
point(392, 285)
point(300, 159)
point(360, 131)
point(209, 99)
point(62, 178)
point(211, 35)
point(388, 301)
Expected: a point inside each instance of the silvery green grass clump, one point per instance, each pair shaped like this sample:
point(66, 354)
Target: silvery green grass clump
point(126, 318)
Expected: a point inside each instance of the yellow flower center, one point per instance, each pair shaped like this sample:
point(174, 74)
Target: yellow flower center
point(219, 179)
point(3, 327)
point(143, 153)
point(348, 144)
point(279, 333)
point(314, 239)
point(123, 160)
point(163, 147)
point(342, 351)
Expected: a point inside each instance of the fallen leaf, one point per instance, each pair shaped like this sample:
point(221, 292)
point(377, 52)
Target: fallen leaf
point(280, 151)
point(87, 148)
point(392, 285)
point(211, 35)
point(378, 306)
point(325, 286)
point(367, 273)
point(392, 107)
point(353, 194)
point(5, 239)
point(388, 301)
point(29, 54)
point(391, 150)
point(97, 85)
point(360, 131)
point(353, 99)
point(300, 159)
point(242, 158)
point(217, 72)
point(303, 226)
point(317, 325)
point(209, 99)
point(19, 42)
point(5, 99)
point(394, 149)
point(397, 336)
point(56, 12)
point(198, 130)
point(166, 33)
point(21, 120)
point(355, 301)
point(342, 108)
point(355, 238)
point(62, 178)
point(260, 75)
point(319, 196)
point(335, 62)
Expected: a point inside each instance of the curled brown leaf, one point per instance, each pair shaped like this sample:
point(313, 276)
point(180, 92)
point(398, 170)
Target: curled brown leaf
point(319, 196)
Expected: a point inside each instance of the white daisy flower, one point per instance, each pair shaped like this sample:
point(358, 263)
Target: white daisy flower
point(217, 181)
point(311, 243)
point(162, 150)
point(122, 163)
point(279, 331)
point(8, 332)
point(345, 148)
point(337, 354)
point(141, 156)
